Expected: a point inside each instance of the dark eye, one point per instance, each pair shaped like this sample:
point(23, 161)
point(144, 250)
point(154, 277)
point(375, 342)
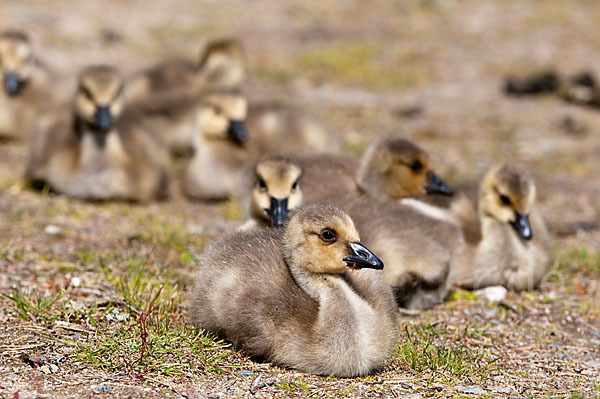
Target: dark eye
point(505, 200)
point(416, 166)
point(86, 92)
point(295, 185)
point(261, 183)
point(328, 235)
point(218, 110)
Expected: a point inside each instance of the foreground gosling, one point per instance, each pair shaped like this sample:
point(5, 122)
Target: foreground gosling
point(270, 188)
point(24, 85)
point(513, 246)
point(96, 152)
point(221, 65)
point(295, 297)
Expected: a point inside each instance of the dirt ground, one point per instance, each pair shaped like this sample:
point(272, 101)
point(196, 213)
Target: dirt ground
point(93, 297)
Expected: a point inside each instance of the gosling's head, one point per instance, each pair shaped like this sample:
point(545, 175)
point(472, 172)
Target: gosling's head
point(323, 240)
point(16, 61)
point(222, 116)
point(276, 189)
point(395, 168)
point(507, 195)
point(99, 99)
point(222, 63)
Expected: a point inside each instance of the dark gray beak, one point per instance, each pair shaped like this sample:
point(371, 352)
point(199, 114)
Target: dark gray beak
point(521, 224)
point(278, 212)
point(237, 131)
point(437, 185)
point(103, 118)
point(362, 257)
point(12, 83)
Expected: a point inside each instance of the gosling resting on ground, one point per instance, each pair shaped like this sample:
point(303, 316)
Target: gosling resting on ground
point(96, 152)
point(25, 90)
point(513, 245)
point(295, 297)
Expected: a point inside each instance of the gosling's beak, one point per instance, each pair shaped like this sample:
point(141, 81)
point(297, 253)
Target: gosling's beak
point(362, 258)
point(278, 212)
point(437, 185)
point(12, 83)
point(237, 131)
point(521, 224)
point(103, 118)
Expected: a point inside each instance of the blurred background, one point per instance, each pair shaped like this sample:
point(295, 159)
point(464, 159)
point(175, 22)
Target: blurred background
point(430, 70)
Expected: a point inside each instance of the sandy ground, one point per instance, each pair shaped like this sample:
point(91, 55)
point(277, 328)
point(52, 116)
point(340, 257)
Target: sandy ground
point(430, 70)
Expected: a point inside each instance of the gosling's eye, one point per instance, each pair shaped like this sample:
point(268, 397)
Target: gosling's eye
point(262, 184)
point(328, 236)
point(86, 92)
point(295, 185)
point(505, 200)
point(217, 110)
point(416, 166)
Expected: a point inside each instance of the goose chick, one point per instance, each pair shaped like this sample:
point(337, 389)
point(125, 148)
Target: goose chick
point(391, 168)
point(221, 146)
point(288, 295)
point(271, 189)
point(215, 114)
point(95, 151)
point(221, 65)
point(24, 85)
point(513, 245)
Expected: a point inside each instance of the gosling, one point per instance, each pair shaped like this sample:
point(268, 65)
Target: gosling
point(221, 65)
point(95, 151)
point(25, 86)
point(391, 169)
point(271, 187)
point(512, 248)
point(296, 296)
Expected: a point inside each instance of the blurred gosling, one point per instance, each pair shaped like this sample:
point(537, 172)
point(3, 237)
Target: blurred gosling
point(25, 89)
point(93, 150)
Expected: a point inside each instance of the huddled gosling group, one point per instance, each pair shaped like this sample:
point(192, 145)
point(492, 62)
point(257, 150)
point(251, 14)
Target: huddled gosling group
point(332, 244)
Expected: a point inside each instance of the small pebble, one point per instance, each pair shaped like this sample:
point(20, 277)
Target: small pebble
point(195, 229)
point(245, 372)
point(52, 229)
point(102, 388)
point(494, 293)
point(501, 389)
point(75, 281)
point(471, 389)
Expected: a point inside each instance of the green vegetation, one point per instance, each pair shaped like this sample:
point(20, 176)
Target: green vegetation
point(362, 64)
point(34, 306)
point(579, 261)
point(427, 348)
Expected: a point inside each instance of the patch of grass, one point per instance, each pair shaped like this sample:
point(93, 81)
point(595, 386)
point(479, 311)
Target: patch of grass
point(462, 295)
point(154, 338)
point(579, 261)
point(360, 64)
point(425, 349)
point(153, 343)
point(167, 235)
point(34, 306)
